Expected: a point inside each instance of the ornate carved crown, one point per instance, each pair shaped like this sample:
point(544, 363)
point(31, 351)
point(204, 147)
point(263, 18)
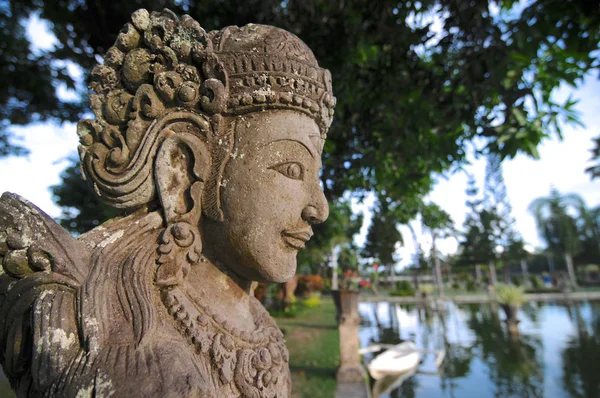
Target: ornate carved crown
point(161, 65)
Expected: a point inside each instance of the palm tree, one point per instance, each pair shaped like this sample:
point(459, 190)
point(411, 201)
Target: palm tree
point(558, 218)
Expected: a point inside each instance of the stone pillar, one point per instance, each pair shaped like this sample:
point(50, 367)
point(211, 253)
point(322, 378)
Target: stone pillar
point(351, 370)
point(477, 276)
point(334, 270)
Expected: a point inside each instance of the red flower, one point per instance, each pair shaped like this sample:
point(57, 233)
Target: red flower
point(363, 282)
point(375, 266)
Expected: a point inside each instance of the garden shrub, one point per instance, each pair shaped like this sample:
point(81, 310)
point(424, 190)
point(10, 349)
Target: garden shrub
point(402, 293)
point(517, 281)
point(312, 301)
point(536, 283)
point(405, 289)
point(308, 284)
point(470, 285)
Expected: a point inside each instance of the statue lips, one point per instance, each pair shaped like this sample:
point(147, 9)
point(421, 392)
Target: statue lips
point(297, 239)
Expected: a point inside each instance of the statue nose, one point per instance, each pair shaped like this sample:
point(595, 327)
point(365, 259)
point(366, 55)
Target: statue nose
point(317, 212)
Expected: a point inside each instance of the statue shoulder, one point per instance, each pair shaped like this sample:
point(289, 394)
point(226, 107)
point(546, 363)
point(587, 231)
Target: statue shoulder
point(31, 241)
point(43, 267)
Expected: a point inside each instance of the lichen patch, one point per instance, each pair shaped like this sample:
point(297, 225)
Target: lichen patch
point(111, 239)
point(55, 337)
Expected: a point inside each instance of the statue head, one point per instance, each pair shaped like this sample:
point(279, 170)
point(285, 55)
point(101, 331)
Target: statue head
point(222, 132)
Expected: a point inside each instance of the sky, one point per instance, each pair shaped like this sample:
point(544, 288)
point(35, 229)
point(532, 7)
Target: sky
point(561, 164)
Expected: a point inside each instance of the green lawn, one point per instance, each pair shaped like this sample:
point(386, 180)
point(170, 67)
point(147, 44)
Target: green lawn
point(313, 341)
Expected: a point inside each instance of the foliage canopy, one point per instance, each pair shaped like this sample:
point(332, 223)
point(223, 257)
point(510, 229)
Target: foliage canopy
point(417, 83)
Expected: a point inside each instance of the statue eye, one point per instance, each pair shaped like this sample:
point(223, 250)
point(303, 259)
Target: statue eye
point(293, 170)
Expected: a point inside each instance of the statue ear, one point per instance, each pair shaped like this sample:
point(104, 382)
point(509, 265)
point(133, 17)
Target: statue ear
point(181, 165)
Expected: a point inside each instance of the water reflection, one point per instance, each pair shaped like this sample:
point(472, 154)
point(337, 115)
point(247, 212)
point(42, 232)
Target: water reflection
point(556, 354)
point(583, 349)
point(514, 367)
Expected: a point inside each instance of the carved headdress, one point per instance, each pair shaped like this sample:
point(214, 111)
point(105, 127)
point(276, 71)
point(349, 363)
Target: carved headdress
point(167, 74)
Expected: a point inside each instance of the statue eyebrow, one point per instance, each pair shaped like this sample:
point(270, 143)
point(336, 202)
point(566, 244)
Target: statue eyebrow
point(310, 151)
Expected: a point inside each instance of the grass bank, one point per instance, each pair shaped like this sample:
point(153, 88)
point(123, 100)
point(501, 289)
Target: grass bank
point(313, 341)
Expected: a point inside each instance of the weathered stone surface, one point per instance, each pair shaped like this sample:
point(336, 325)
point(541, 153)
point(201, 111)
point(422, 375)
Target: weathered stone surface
point(213, 141)
point(350, 370)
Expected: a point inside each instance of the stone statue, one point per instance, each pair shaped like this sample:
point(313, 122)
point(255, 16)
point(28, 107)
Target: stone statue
point(212, 142)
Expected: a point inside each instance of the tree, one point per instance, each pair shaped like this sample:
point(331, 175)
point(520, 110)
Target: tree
point(515, 252)
point(590, 238)
point(383, 236)
point(495, 202)
point(405, 90)
point(558, 227)
point(348, 258)
point(594, 169)
point(439, 223)
point(29, 78)
point(477, 244)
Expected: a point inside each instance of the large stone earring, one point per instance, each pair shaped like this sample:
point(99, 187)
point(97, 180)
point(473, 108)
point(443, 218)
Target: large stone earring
point(180, 247)
point(180, 184)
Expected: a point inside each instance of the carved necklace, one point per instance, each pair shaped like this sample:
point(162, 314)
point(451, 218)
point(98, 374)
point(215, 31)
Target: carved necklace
point(257, 361)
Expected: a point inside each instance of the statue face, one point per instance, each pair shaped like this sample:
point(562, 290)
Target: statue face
point(270, 196)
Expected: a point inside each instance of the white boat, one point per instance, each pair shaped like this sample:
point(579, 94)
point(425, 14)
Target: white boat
point(397, 359)
point(389, 383)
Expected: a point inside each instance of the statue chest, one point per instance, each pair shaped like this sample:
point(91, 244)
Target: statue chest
point(227, 362)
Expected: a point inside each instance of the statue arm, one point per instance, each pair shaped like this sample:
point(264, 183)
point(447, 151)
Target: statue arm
point(43, 267)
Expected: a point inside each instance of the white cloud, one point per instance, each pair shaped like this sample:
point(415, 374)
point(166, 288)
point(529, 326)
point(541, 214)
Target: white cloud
point(32, 176)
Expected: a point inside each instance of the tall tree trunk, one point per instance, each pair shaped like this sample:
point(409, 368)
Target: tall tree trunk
point(571, 269)
point(375, 283)
point(493, 277)
point(436, 262)
point(477, 276)
point(524, 272)
point(506, 270)
point(416, 279)
point(416, 242)
point(413, 233)
point(550, 263)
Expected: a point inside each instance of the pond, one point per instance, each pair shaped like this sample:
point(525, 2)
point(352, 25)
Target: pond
point(556, 355)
